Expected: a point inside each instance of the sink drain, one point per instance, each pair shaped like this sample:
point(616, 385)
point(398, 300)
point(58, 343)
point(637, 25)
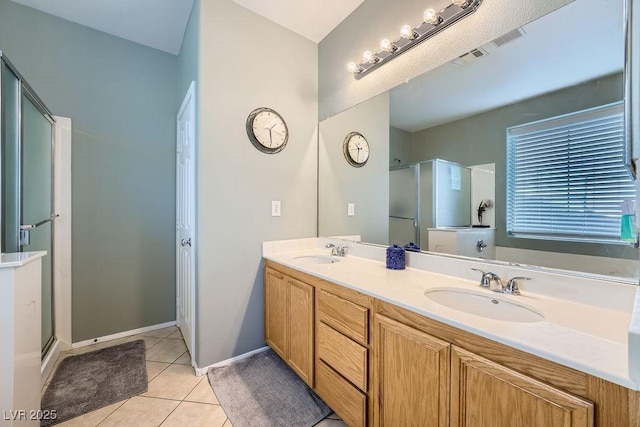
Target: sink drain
point(495, 301)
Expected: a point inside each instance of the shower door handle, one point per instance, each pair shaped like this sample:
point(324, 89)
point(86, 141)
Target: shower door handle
point(38, 224)
point(25, 230)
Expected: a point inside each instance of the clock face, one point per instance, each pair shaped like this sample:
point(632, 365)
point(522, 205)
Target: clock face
point(267, 130)
point(356, 149)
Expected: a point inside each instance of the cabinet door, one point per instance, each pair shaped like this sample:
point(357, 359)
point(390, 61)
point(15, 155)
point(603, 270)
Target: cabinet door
point(412, 380)
point(484, 393)
point(300, 324)
point(275, 311)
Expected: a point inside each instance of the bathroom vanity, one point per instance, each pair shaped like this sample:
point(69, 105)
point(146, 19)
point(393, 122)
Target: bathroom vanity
point(375, 345)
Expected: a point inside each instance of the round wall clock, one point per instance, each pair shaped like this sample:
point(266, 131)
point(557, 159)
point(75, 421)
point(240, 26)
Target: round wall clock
point(356, 149)
point(267, 130)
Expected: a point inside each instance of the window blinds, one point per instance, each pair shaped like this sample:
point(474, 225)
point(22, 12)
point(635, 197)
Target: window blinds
point(566, 176)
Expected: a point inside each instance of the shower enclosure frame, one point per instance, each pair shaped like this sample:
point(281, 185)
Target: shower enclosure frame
point(426, 216)
point(24, 89)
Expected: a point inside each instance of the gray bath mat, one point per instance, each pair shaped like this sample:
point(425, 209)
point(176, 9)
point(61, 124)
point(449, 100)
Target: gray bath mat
point(94, 380)
point(262, 390)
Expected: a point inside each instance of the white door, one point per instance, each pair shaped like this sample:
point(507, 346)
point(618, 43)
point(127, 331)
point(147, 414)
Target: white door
point(185, 219)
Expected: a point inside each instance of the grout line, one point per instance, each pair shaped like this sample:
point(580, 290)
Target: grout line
point(158, 374)
point(198, 383)
point(110, 413)
point(159, 398)
point(168, 415)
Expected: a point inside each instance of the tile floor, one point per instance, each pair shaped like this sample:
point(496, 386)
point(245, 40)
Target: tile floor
point(176, 396)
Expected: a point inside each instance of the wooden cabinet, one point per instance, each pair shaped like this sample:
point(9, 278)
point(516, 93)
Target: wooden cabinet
point(289, 321)
point(342, 337)
point(413, 389)
point(484, 393)
point(346, 400)
point(344, 355)
point(300, 312)
point(412, 376)
point(379, 364)
point(344, 316)
point(275, 312)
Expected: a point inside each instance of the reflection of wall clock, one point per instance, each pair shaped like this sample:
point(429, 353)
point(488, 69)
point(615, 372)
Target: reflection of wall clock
point(267, 130)
point(356, 149)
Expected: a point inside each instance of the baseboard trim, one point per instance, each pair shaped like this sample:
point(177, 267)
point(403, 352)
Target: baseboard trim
point(123, 334)
point(203, 371)
point(47, 364)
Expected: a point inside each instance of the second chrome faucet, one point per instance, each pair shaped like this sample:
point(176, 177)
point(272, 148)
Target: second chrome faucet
point(338, 250)
point(510, 288)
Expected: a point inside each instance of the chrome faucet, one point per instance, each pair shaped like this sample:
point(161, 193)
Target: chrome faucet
point(338, 250)
point(487, 278)
point(512, 285)
point(510, 288)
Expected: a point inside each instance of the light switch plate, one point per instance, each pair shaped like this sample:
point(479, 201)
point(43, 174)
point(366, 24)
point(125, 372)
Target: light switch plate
point(276, 208)
point(351, 209)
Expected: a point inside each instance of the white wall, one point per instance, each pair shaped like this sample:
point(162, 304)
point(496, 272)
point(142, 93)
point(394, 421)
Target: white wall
point(247, 62)
point(376, 19)
point(340, 183)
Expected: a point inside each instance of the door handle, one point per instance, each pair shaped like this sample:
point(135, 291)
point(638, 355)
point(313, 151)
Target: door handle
point(25, 230)
point(185, 242)
point(38, 224)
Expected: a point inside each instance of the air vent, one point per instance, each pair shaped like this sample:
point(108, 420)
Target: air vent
point(510, 36)
point(469, 57)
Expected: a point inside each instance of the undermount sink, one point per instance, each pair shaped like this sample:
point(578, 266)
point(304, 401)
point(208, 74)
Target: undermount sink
point(483, 304)
point(316, 259)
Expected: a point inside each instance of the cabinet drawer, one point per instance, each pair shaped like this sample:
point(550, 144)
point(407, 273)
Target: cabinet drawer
point(343, 354)
point(344, 316)
point(346, 400)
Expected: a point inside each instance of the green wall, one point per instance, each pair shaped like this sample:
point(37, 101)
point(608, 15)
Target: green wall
point(400, 142)
point(482, 139)
point(266, 66)
point(121, 97)
point(188, 60)
point(340, 183)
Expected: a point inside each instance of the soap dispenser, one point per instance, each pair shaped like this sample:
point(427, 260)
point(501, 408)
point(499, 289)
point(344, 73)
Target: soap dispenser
point(411, 247)
point(395, 257)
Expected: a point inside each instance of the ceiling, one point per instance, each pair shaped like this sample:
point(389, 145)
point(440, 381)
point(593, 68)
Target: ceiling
point(576, 43)
point(160, 24)
point(313, 19)
point(580, 40)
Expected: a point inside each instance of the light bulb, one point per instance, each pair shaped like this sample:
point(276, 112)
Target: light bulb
point(353, 67)
point(369, 57)
point(460, 3)
point(387, 46)
point(406, 32)
point(431, 17)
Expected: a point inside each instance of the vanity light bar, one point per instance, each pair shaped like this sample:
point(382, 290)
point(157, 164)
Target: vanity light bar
point(432, 23)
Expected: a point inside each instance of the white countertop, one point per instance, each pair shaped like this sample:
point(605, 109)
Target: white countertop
point(576, 332)
point(19, 259)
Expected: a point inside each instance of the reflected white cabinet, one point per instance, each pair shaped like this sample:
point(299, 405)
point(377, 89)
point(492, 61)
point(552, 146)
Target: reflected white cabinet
point(20, 316)
point(466, 241)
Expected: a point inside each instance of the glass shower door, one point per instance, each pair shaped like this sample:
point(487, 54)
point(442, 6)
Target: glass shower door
point(403, 208)
point(36, 229)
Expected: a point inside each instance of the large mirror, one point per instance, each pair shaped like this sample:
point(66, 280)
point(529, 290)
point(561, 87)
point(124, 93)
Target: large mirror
point(440, 164)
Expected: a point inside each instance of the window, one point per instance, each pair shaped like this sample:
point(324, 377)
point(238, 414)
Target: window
point(566, 176)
